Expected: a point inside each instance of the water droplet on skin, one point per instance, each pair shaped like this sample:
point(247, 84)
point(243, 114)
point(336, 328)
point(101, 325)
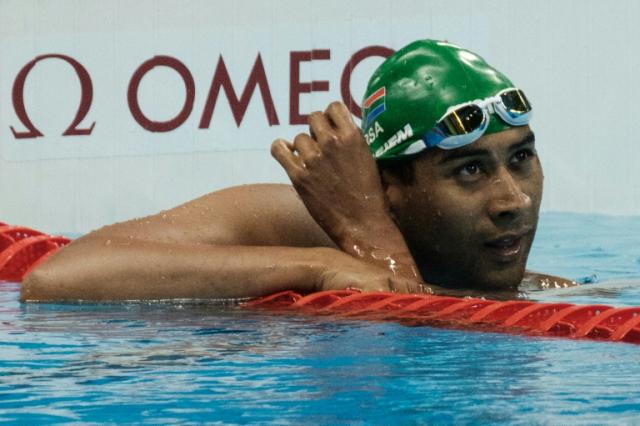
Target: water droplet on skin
point(392, 264)
point(545, 283)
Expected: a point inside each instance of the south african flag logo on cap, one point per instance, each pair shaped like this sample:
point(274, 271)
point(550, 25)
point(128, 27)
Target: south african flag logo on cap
point(374, 105)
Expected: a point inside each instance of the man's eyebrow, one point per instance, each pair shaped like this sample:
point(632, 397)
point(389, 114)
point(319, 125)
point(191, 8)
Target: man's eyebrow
point(528, 138)
point(455, 154)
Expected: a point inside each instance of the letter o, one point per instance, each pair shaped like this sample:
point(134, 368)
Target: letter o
point(134, 85)
point(345, 81)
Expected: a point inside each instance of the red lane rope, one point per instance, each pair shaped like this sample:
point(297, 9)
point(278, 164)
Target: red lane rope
point(21, 249)
point(597, 322)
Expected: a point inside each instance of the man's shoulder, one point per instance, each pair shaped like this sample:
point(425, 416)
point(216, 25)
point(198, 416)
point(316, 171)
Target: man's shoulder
point(254, 214)
point(252, 193)
point(247, 200)
point(534, 281)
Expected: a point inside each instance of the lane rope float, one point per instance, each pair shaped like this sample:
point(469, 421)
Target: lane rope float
point(21, 249)
point(595, 322)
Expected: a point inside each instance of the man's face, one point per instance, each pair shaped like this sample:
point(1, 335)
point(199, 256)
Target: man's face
point(471, 214)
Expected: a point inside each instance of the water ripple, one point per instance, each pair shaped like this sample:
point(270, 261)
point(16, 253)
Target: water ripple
point(146, 363)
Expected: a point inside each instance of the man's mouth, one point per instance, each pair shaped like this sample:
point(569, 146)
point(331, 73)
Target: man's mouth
point(507, 247)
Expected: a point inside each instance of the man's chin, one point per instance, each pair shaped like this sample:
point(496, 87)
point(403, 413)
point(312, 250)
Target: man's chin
point(489, 279)
point(506, 278)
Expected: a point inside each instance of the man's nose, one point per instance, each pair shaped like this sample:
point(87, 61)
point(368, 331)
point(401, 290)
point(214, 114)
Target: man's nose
point(508, 200)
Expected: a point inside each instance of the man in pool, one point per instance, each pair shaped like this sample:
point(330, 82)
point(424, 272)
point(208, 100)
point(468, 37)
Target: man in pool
point(448, 202)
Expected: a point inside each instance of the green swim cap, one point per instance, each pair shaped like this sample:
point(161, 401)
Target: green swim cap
point(413, 89)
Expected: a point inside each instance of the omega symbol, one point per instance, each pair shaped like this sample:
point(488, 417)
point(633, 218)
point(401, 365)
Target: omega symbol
point(85, 99)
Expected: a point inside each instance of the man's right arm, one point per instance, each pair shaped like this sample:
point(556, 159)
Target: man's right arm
point(338, 180)
point(107, 269)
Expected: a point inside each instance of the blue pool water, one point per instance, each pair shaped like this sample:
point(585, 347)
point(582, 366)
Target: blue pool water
point(163, 363)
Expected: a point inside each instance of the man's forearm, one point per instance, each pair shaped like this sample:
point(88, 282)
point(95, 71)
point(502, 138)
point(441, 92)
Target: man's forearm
point(121, 269)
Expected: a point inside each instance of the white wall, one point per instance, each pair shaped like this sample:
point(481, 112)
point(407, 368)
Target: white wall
point(576, 60)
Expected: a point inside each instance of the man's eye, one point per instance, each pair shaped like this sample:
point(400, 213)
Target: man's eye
point(522, 155)
point(470, 169)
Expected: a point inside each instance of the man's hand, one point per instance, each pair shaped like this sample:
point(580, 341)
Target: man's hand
point(338, 180)
point(342, 271)
point(334, 174)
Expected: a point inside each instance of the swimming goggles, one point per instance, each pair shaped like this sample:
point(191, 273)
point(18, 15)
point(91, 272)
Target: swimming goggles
point(464, 123)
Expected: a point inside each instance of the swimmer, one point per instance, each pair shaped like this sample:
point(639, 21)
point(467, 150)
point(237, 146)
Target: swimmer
point(438, 192)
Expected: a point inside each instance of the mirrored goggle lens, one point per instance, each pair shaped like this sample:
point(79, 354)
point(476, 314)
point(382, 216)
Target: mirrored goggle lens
point(515, 102)
point(463, 120)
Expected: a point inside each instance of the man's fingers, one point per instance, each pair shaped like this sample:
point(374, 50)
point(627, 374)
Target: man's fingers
point(320, 127)
point(307, 148)
point(402, 285)
point(340, 115)
point(283, 152)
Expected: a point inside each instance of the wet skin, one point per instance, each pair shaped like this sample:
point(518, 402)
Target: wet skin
point(466, 222)
point(470, 215)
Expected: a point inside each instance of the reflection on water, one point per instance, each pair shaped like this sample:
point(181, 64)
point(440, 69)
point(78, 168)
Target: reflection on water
point(204, 363)
point(172, 364)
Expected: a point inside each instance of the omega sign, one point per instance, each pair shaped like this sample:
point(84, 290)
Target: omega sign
point(221, 80)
